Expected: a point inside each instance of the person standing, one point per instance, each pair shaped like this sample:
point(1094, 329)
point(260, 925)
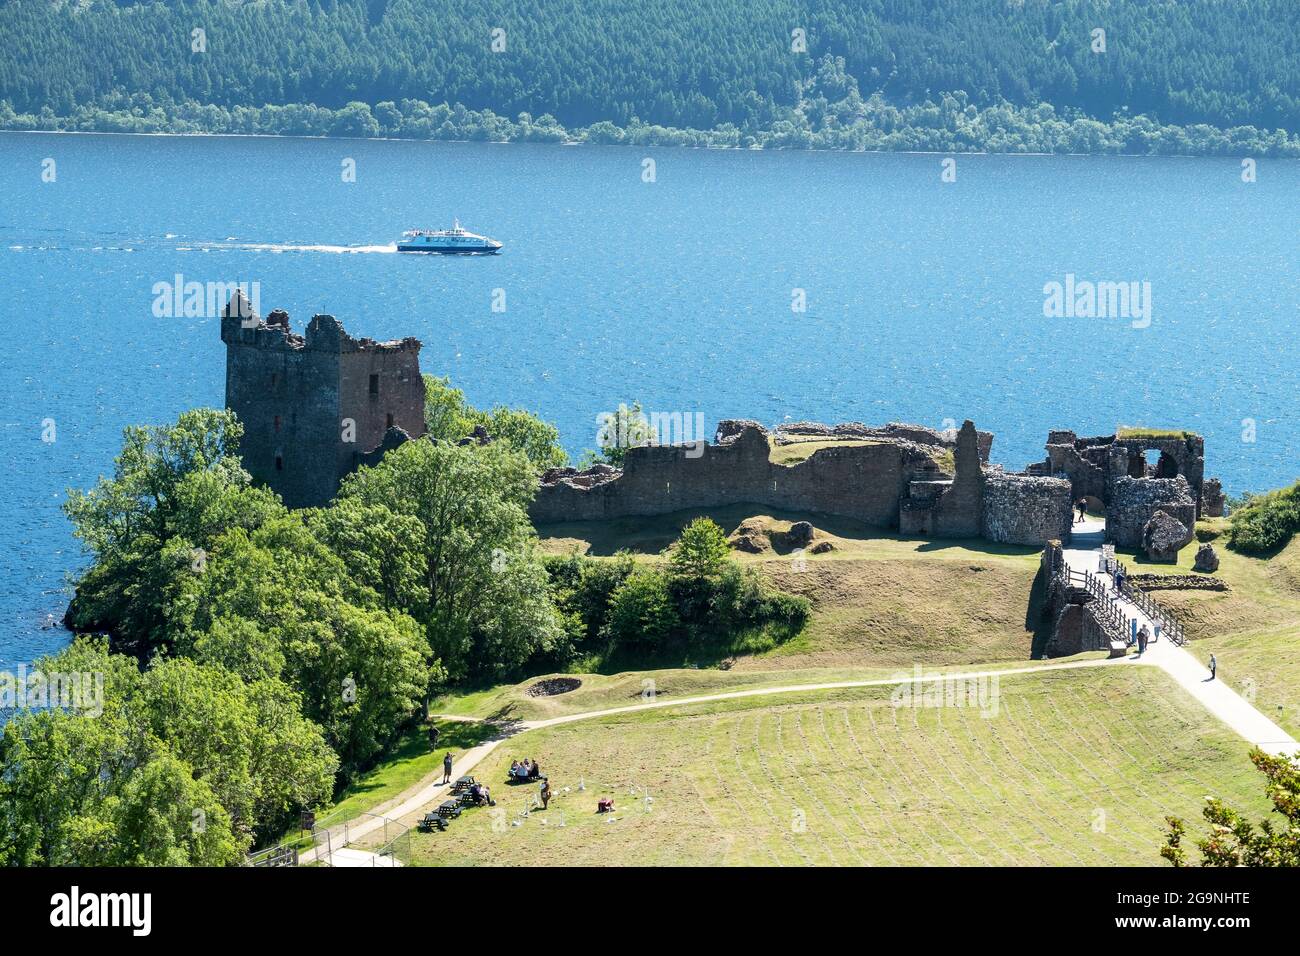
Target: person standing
point(1214, 667)
point(433, 736)
point(1143, 636)
point(446, 768)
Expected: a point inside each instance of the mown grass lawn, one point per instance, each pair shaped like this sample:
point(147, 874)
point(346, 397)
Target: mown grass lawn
point(1074, 768)
point(606, 691)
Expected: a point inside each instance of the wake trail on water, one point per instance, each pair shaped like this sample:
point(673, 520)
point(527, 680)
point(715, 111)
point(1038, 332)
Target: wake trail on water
point(229, 244)
point(294, 247)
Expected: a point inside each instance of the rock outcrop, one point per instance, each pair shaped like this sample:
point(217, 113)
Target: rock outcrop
point(1207, 559)
point(800, 534)
point(1164, 536)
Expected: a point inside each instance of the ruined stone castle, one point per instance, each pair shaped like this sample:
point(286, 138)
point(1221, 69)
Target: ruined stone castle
point(316, 406)
point(904, 478)
point(319, 405)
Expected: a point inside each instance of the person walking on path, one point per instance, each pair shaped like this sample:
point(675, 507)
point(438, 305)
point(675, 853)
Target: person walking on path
point(1082, 505)
point(433, 737)
point(1143, 636)
point(1214, 666)
point(446, 768)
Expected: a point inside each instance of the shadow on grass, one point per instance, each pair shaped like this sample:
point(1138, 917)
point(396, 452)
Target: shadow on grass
point(979, 545)
point(1037, 620)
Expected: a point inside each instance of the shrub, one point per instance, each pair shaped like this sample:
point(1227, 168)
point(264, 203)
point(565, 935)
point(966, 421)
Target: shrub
point(1265, 522)
point(701, 551)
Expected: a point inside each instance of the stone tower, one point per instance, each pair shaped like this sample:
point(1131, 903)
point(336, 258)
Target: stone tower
point(314, 406)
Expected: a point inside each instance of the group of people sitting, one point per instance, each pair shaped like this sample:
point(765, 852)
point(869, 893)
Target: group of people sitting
point(525, 769)
point(481, 795)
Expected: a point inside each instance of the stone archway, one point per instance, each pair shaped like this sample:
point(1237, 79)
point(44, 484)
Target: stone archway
point(1166, 466)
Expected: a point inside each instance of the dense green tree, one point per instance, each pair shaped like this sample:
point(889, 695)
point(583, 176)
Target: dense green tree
point(183, 763)
point(483, 610)
point(625, 427)
point(307, 598)
point(701, 551)
point(450, 418)
point(363, 673)
point(643, 612)
point(174, 490)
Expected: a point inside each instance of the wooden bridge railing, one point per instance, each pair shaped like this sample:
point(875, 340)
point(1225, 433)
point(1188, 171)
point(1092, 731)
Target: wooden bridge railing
point(1169, 625)
point(1106, 608)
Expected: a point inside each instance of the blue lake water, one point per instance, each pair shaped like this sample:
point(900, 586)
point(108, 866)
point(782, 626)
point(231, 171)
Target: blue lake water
point(924, 298)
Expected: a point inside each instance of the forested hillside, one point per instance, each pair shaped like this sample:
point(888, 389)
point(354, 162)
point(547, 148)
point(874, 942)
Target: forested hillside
point(679, 63)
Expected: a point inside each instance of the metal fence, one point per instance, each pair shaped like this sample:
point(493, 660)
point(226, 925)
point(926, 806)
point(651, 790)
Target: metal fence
point(361, 839)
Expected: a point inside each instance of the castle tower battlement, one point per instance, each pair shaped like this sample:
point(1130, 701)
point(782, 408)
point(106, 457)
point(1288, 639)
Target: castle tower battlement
point(314, 405)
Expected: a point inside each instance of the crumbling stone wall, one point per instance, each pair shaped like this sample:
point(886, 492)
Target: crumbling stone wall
point(889, 483)
point(1213, 500)
point(1134, 501)
point(313, 406)
point(1181, 456)
point(959, 509)
point(1025, 509)
point(864, 482)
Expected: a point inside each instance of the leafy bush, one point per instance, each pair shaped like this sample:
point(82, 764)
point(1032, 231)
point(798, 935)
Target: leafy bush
point(643, 613)
point(703, 602)
point(1265, 522)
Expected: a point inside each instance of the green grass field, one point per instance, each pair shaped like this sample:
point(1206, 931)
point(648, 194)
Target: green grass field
point(1075, 767)
point(512, 702)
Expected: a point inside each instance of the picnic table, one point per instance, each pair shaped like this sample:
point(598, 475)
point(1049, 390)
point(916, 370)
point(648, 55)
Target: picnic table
point(462, 785)
point(449, 809)
point(431, 820)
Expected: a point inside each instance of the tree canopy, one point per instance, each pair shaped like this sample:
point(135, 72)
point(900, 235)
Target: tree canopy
point(792, 73)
